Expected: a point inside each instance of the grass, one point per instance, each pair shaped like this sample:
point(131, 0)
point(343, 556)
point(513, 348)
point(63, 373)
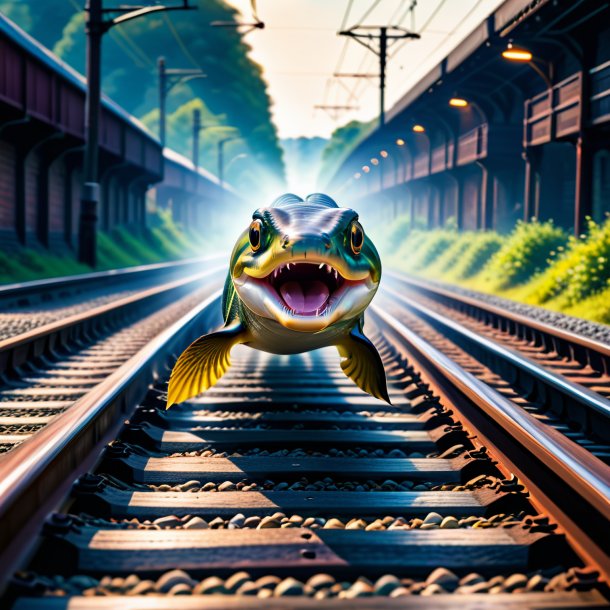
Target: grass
point(161, 241)
point(537, 264)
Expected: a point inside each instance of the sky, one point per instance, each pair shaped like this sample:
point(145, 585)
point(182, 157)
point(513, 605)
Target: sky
point(300, 51)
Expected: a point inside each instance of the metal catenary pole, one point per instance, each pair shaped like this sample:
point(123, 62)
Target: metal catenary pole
point(168, 79)
point(386, 35)
point(87, 243)
point(96, 27)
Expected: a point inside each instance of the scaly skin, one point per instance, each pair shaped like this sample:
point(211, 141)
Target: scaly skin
point(300, 278)
point(299, 232)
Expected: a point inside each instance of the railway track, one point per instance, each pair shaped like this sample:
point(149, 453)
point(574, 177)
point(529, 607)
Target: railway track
point(28, 305)
point(453, 495)
point(66, 352)
point(560, 377)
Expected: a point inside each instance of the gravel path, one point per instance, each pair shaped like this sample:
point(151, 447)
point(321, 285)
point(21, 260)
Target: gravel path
point(20, 319)
point(23, 319)
point(278, 520)
point(319, 586)
point(592, 330)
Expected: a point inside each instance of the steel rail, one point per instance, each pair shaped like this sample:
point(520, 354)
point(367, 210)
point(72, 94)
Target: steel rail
point(574, 391)
point(558, 335)
point(43, 288)
point(35, 472)
point(20, 349)
point(581, 473)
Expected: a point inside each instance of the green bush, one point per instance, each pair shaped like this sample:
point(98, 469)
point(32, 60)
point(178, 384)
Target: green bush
point(582, 270)
point(481, 248)
point(447, 260)
point(111, 256)
point(423, 248)
point(121, 248)
point(524, 253)
point(395, 237)
point(535, 264)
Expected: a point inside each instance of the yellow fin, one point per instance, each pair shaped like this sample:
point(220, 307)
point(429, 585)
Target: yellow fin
point(362, 364)
point(203, 363)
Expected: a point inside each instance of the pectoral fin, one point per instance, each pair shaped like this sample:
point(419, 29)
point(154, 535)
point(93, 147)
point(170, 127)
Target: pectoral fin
point(203, 363)
point(362, 364)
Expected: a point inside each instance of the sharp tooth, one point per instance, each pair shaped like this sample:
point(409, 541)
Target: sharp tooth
point(321, 266)
point(336, 275)
point(329, 269)
point(288, 266)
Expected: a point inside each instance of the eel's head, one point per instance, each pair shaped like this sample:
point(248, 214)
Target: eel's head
point(306, 264)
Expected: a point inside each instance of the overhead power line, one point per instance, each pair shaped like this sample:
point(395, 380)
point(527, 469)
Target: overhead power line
point(386, 36)
point(180, 42)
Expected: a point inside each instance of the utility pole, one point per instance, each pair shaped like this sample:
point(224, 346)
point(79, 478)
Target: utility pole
point(387, 36)
point(168, 79)
point(96, 27)
point(196, 132)
point(221, 144)
point(197, 129)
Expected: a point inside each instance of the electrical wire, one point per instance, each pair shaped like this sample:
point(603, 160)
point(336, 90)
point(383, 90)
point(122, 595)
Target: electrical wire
point(119, 37)
point(348, 10)
point(181, 44)
point(369, 11)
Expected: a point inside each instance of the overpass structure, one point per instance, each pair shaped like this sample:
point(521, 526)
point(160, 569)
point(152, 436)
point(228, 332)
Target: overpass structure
point(42, 104)
point(522, 138)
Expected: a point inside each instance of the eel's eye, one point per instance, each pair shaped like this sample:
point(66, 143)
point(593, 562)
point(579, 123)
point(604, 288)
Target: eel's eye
point(256, 234)
point(356, 237)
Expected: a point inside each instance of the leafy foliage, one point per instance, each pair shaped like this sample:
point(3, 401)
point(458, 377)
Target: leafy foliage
point(582, 268)
point(566, 274)
point(481, 248)
point(421, 248)
point(341, 143)
point(525, 252)
point(234, 92)
point(120, 248)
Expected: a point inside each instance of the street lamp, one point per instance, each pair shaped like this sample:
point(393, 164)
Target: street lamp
point(96, 27)
point(221, 144)
point(235, 158)
point(418, 129)
point(400, 142)
point(458, 102)
point(514, 54)
point(197, 129)
point(366, 169)
point(521, 55)
point(168, 79)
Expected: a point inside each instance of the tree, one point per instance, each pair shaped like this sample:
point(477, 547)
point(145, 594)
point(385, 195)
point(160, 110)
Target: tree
point(234, 88)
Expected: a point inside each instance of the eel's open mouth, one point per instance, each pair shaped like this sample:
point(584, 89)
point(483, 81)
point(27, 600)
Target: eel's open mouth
point(305, 288)
point(306, 296)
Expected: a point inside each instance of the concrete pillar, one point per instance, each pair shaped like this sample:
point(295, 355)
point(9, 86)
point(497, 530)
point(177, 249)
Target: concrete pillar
point(583, 204)
point(531, 189)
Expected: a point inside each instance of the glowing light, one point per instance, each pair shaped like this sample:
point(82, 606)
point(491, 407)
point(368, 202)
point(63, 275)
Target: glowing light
point(400, 142)
point(383, 153)
point(357, 175)
point(375, 161)
point(458, 102)
point(419, 128)
point(366, 169)
point(516, 54)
